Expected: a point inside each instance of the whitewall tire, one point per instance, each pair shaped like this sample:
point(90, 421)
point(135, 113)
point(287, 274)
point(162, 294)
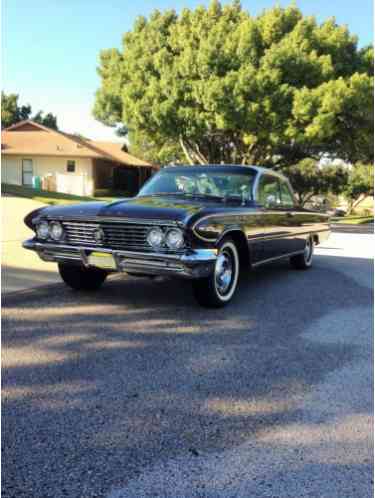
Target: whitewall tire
point(218, 289)
point(304, 260)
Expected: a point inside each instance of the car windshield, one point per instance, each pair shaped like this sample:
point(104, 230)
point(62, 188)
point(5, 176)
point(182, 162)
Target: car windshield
point(221, 184)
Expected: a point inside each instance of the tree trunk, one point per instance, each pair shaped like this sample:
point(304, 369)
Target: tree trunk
point(186, 152)
point(192, 152)
point(303, 200)
point(357, 201)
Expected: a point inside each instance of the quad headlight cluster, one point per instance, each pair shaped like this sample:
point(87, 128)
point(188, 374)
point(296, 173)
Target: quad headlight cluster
point(53, 230)
point(173, 238)
point(156, 237)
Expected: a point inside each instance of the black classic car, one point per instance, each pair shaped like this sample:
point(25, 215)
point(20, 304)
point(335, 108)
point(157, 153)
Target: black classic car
point(204, 223)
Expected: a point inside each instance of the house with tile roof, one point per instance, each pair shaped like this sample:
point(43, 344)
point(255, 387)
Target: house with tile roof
point(32, 154)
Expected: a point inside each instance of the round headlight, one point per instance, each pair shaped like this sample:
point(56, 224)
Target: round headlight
point(175, 239)
point(56, 230)
point(42, 230)
point(155, 237)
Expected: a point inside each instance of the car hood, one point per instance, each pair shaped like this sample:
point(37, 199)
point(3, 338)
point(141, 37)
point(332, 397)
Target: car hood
point(150, 207)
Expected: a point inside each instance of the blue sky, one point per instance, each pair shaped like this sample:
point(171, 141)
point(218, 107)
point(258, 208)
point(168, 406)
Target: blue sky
point(50, 47)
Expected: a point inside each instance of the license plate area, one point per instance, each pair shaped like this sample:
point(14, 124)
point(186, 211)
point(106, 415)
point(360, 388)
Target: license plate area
point(102, 260)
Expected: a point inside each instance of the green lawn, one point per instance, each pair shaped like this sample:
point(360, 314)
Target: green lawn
point(353, 220)
point(48, 197)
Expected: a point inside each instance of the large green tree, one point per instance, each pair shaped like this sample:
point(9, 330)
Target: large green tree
point(225, 86)
point(48, 119)
point(12, 112)
point(309, 179)
point(360, 184)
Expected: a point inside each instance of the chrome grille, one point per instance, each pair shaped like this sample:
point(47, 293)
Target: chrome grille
point(120, 236)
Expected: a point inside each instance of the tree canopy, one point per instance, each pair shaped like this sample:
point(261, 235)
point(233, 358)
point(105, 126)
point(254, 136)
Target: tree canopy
point(309, 179)
point(218, 85)
point(12, 112)
point(360, 184)
point(46, 119)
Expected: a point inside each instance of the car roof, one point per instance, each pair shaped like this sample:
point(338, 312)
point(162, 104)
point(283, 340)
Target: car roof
point(239, 168)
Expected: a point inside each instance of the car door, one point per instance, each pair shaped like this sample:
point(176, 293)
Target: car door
point(273, 216)
point(288, 205)
point(302, 222)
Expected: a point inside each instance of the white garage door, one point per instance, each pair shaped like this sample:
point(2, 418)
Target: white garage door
point(11, 170)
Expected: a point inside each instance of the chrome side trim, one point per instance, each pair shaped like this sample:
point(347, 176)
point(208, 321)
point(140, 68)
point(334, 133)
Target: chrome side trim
point(225, 213)
point(213, 238)
point(244, 213)
point(265, 238)
point(257, 213)
point(252, 213)
point(269, 260)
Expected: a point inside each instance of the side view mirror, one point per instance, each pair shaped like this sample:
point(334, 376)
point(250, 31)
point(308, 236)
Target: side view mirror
point(271, 200)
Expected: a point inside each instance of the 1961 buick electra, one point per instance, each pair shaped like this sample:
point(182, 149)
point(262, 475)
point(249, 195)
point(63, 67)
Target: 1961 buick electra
point(204, 223)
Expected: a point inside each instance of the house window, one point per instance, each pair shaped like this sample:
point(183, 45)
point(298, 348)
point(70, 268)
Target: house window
point(27, 172)
point(70, 166)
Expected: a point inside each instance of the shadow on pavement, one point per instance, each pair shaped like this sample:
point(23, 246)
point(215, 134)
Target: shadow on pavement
point(138, 372)
point(16, 279)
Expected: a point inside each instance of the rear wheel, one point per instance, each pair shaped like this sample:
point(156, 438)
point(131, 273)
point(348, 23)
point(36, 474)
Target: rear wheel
point(304, 261)
point(80, 278)
point(217, 290)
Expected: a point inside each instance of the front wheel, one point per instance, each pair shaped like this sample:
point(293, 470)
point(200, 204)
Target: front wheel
point(217, 290)
point(304, 261)
point(81, 278)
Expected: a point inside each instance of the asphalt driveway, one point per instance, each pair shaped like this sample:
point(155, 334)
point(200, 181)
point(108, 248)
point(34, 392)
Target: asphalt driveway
point(135, 391)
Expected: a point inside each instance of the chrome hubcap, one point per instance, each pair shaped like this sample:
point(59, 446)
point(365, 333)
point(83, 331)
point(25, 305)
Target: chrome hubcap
point(308, 250)
point(224, 272)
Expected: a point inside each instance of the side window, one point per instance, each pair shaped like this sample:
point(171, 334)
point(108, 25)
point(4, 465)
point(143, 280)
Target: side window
point(268, 193)
point(286, 195)
point(70, 166)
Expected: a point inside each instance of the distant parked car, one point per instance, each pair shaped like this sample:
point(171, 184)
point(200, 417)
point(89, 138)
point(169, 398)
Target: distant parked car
point(203, 223)
point(336, 212)
point(339, 212)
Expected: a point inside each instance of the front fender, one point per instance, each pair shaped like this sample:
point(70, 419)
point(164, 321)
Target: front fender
point(33, 214)
point(234, 231)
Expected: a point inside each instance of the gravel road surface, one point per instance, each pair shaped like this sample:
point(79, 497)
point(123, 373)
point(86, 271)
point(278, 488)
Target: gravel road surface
point(135, 391)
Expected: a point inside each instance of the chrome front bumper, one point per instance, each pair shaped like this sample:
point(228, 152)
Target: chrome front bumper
point(192, 264)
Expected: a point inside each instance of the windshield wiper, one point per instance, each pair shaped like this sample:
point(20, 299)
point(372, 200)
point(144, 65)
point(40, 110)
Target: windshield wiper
point(188, 194)
point(236, 198)
point(204, 196)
